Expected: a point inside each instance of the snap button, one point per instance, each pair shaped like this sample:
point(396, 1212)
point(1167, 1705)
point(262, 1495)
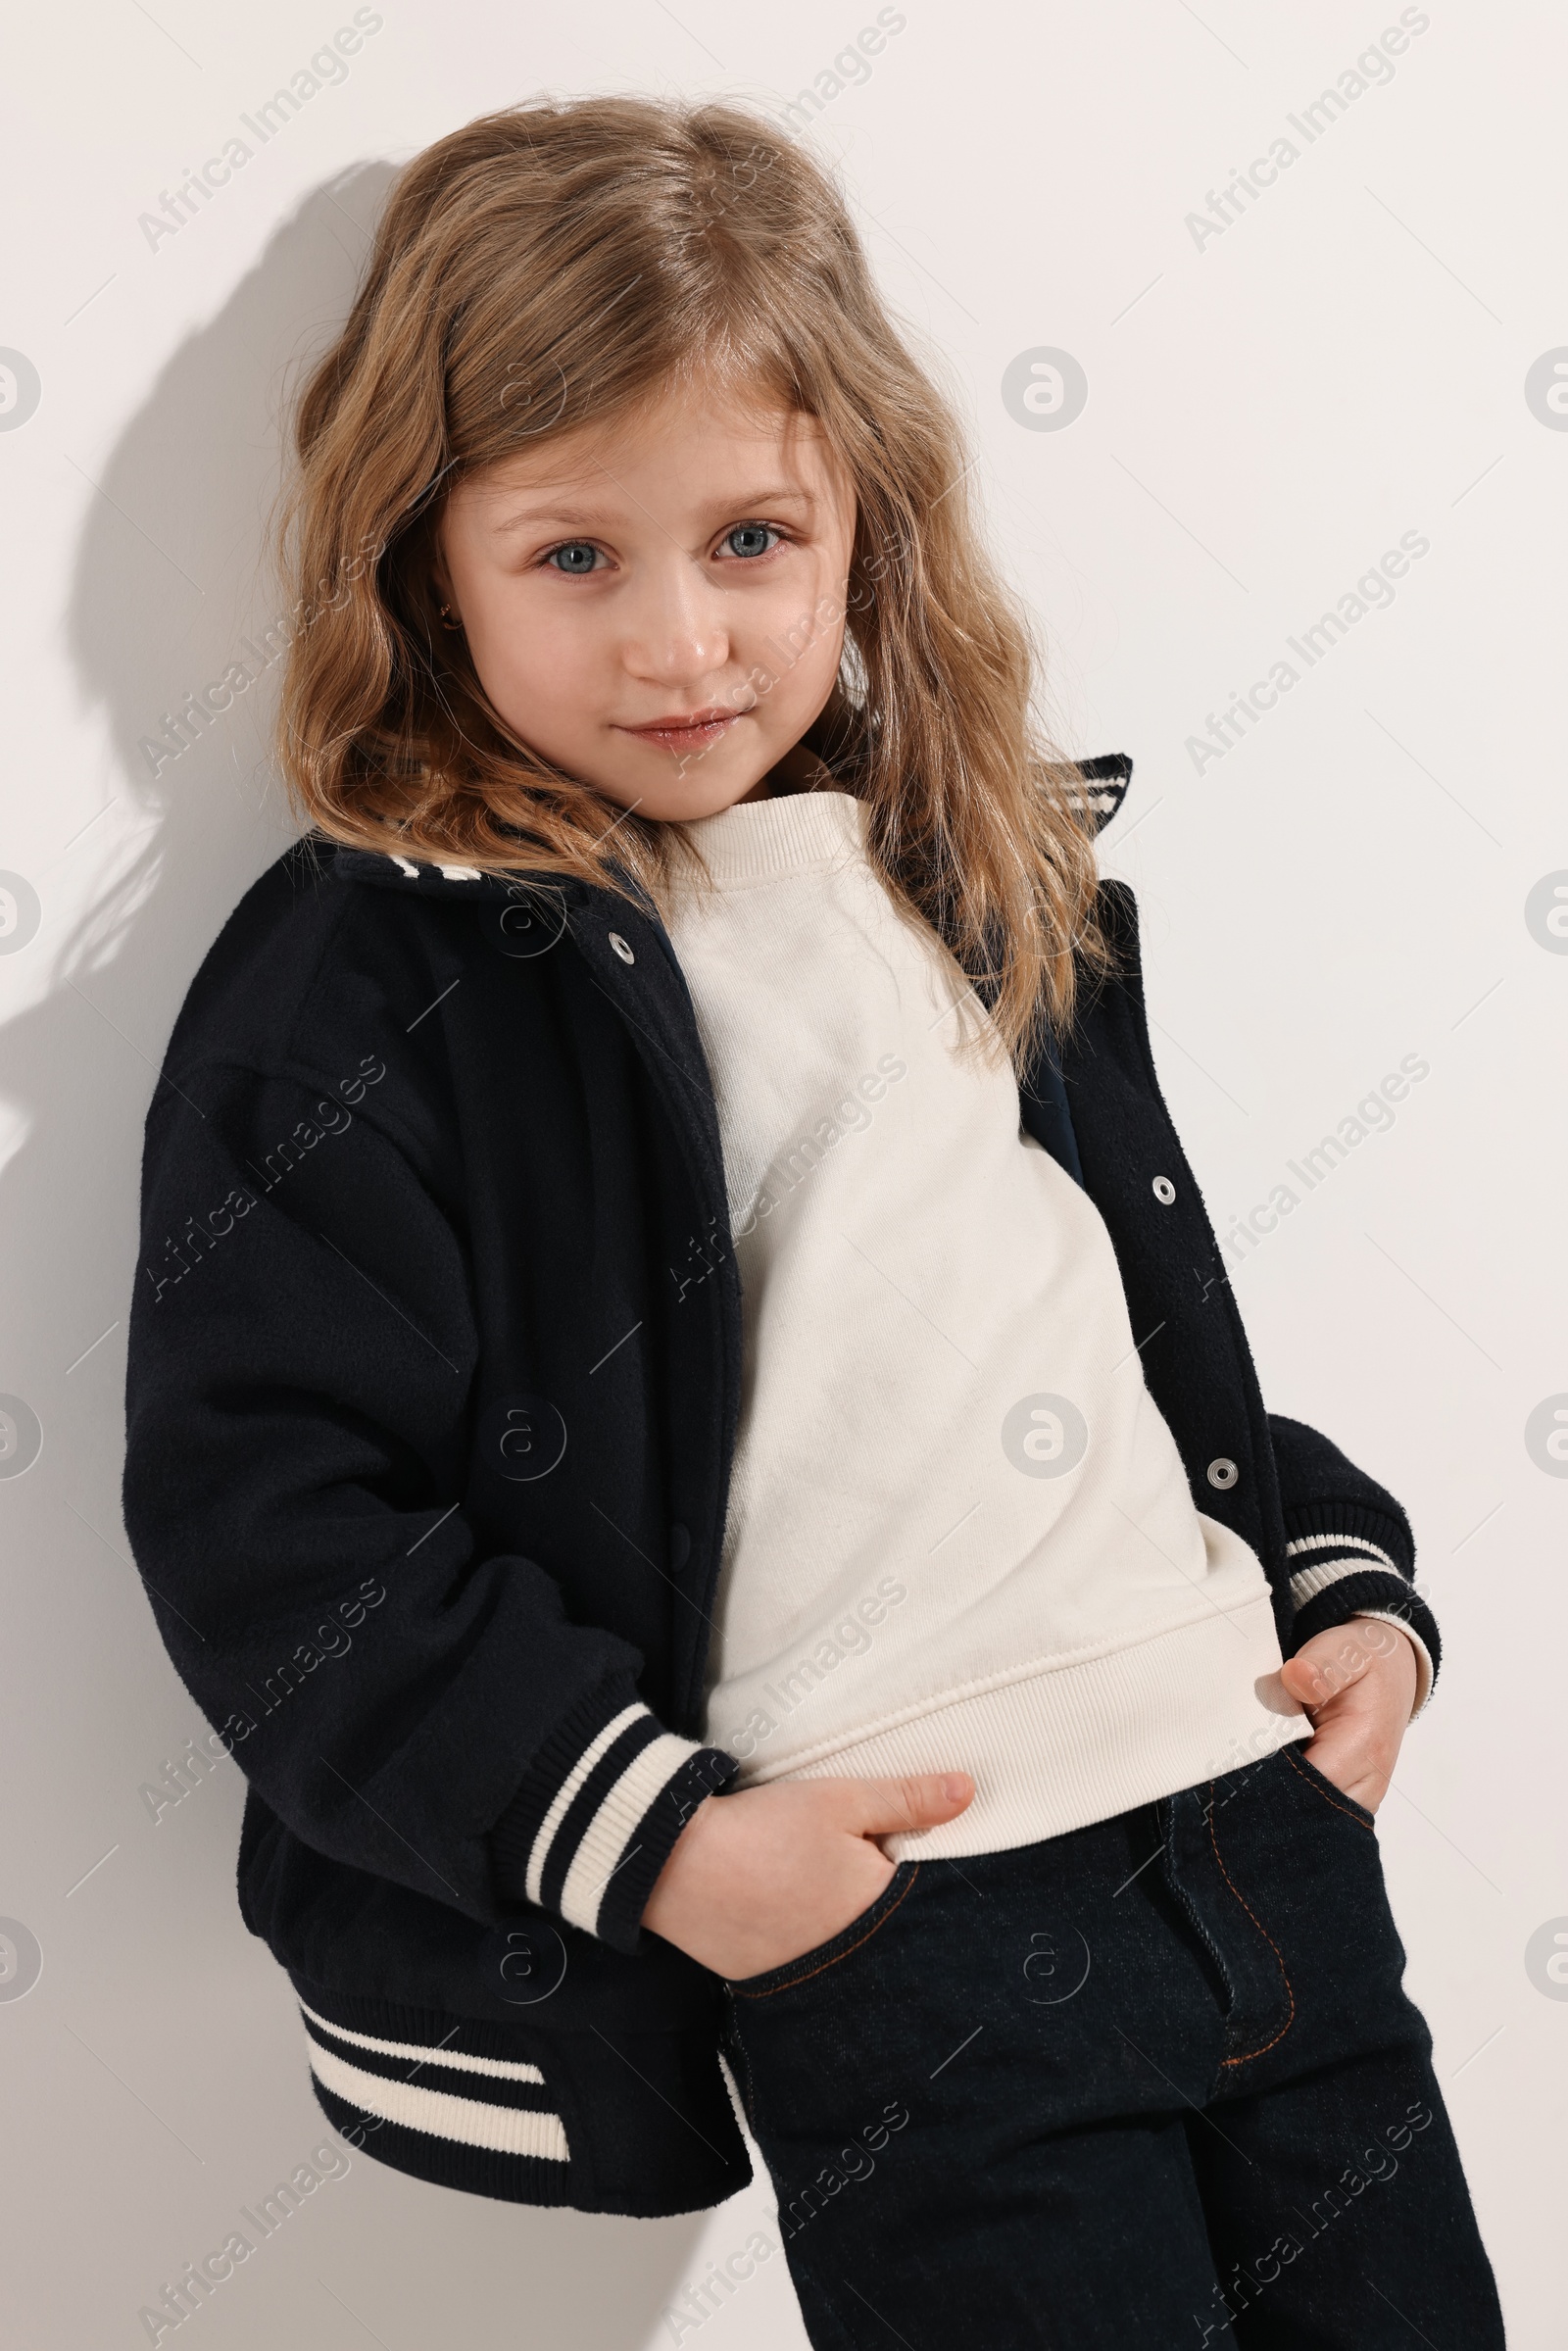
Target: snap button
point(1164, 1191)
point(1223, 1473)
point(621, 948)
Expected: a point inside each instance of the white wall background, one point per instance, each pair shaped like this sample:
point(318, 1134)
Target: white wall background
point(1267, 413)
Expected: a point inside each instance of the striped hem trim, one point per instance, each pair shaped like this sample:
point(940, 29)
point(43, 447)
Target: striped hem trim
point(1340, 1542)
point(455, 2061)
point(502, 2130)
point(501, 2125)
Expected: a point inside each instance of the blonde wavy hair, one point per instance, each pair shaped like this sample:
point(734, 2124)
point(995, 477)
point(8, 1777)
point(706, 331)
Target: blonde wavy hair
point(556, 266)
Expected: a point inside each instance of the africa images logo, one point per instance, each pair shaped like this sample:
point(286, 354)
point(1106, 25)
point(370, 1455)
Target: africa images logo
point(1045, 389)
point(20, 389)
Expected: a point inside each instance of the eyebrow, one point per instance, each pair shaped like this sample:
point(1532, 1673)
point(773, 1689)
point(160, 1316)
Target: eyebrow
point(588, 518)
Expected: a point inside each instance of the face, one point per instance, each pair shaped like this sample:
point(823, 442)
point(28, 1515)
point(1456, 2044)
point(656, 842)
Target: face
point(658, 608)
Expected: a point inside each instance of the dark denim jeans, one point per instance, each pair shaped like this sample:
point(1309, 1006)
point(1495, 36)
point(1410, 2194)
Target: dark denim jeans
point(1149, 2084)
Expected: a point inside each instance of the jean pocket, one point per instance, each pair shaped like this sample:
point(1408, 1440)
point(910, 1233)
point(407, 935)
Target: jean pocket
point(1326, 1787)
point(837, 1949)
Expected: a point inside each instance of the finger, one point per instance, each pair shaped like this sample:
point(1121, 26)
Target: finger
point(916, 1800)
point(1328, 1663)
point(1356, 1739)
point(1369, 1716)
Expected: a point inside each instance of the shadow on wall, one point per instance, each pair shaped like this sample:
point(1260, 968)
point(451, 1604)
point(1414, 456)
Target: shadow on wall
point(168, 587)
point(172, 598)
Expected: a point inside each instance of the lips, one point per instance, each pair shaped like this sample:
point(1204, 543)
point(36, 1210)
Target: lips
point(688, 730)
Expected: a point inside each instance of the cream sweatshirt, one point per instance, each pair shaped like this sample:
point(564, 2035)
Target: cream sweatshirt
point(960, 1534)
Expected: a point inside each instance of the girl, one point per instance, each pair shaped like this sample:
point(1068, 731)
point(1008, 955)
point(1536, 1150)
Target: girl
point(686, 1422)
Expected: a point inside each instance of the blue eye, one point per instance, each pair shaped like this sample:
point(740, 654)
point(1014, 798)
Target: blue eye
point(751, 538)
point(574, 558)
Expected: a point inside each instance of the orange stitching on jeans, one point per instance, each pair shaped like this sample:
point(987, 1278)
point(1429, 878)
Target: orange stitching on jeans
point(823, 1964)
point(1248, 2054)
point(1324, 1794)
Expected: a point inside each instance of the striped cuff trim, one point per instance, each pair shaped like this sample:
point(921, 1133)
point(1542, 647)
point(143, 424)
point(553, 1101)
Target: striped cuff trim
point(1342, 1543)
point(1384, 1533)
point(587, 1834)
point(606, 1844)
point(501, 2123)
point(1371, 1592)
point(1308, 1581)
point(565, 1793)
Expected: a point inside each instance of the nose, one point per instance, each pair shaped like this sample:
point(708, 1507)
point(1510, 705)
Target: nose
point(675, 631)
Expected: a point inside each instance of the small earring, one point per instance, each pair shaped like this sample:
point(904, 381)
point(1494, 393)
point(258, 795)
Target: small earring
point(447, 622)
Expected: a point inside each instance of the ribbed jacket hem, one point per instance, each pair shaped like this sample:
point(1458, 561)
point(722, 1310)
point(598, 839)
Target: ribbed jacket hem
point(637, 2123)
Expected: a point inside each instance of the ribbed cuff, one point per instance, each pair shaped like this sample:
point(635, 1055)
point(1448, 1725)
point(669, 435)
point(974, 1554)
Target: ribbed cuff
point(1320, 1531)
point(602, 1803)
point(1366, 1590)
point(707, 1772)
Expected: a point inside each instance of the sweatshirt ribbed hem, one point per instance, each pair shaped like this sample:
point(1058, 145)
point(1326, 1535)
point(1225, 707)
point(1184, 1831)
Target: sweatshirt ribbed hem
point(1090, 1741)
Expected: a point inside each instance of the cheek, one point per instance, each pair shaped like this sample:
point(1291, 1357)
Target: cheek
point(794, 629)
point(536, 662)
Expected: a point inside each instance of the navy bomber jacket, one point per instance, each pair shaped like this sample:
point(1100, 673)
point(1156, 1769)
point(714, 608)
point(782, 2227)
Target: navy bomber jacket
point(434, 1368)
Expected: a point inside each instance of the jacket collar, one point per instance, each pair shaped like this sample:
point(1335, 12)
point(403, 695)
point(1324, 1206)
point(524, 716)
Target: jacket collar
point(386, 871)
point(1106, 780)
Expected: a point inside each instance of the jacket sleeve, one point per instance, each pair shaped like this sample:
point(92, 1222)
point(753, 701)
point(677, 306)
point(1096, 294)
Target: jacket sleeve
point(302, 1343)
point(1349, 1548)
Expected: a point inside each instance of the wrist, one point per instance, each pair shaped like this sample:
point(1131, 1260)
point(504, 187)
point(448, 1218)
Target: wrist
point(665, 1892)
point(1424, 1670)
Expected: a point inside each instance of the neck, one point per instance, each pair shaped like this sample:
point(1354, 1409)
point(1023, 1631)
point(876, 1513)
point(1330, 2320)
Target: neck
point(799, 770)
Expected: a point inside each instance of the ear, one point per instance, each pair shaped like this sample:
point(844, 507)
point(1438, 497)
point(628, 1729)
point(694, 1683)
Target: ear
point(427, 552)
point(443, 599)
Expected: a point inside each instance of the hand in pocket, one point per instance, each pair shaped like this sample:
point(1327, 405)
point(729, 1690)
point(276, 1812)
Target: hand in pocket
point(1357, 1682)
point(761, 1875)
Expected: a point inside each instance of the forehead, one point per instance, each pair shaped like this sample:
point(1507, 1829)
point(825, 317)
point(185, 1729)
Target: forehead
point(701, 439)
